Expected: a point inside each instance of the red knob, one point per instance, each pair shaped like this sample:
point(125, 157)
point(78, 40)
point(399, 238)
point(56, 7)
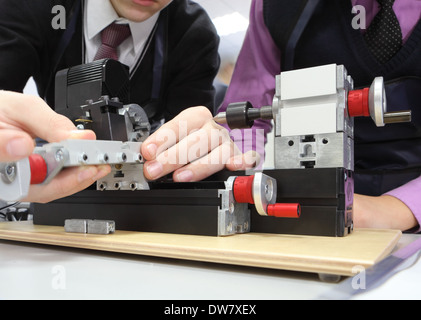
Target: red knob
point(38, 169)
point(358, 105)
point(243, 189)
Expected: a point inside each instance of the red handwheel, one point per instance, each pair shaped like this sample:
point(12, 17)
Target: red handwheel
point(358, 104)
point(243, 189)
point(38, 169)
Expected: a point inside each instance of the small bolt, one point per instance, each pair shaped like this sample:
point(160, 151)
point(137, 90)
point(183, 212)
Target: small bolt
point(231, 207)
point(59, 155)
point(9, 173)
point(246, 226)
point(229, 227)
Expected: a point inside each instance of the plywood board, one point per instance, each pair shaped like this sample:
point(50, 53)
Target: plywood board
point(337, 256)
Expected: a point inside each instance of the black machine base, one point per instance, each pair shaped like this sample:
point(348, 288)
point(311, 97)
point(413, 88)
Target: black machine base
point(325, 196)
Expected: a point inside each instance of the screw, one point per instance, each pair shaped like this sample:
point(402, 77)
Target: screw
point(59, 155)
point(246, 226)
point(9, 173)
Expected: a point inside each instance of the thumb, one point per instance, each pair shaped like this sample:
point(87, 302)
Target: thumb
point(15, 145)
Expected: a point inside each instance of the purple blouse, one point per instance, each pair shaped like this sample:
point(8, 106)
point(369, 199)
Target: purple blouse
point(259, 62)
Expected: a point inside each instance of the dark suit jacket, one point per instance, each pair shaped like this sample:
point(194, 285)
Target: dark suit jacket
point(29, 43)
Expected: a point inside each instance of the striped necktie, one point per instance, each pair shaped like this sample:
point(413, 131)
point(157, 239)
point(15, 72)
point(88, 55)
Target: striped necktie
point(112, 36)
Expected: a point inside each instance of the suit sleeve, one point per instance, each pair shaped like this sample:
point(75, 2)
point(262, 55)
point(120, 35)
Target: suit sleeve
point(193, 62)
point(23, 36)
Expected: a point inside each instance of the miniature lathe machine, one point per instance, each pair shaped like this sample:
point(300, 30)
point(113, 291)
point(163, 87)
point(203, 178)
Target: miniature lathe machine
point(309, 192)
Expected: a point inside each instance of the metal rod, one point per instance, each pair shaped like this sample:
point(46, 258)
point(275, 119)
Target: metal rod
point(397, 116)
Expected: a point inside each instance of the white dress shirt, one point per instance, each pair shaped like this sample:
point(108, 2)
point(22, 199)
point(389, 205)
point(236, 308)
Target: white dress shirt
point(98, 15)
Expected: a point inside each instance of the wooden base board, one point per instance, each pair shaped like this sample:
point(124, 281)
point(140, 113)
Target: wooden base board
point(324, 255)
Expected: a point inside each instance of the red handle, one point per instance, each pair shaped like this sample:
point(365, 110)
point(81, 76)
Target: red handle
point(284, 210)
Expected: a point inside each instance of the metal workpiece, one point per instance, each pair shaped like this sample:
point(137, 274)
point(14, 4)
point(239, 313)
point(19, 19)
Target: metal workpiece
point(124, 157)
point(73, 153)
point(233, 217)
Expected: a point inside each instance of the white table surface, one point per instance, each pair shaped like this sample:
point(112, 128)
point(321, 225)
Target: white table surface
point(30, 271)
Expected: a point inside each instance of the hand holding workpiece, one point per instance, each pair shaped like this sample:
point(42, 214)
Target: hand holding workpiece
point(23, 118)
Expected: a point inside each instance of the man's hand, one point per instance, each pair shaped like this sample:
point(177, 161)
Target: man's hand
point(194, 147)
point(22, 118)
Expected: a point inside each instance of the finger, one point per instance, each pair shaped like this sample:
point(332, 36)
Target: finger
point(32, 115)
point(67, 182)
point(15, 145)
point(175, 130)
point(80, 134)
point(192, 147)
point(244, 161)
point(204, 167)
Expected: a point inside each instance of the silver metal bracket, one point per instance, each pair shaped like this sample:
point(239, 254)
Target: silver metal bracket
point(233, 217)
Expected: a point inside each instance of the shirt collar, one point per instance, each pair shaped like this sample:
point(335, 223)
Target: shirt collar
point(97, 20)
point(141, 31)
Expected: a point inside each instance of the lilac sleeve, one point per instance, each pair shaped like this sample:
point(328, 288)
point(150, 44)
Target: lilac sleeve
point(410, 194)
point(254, 79)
